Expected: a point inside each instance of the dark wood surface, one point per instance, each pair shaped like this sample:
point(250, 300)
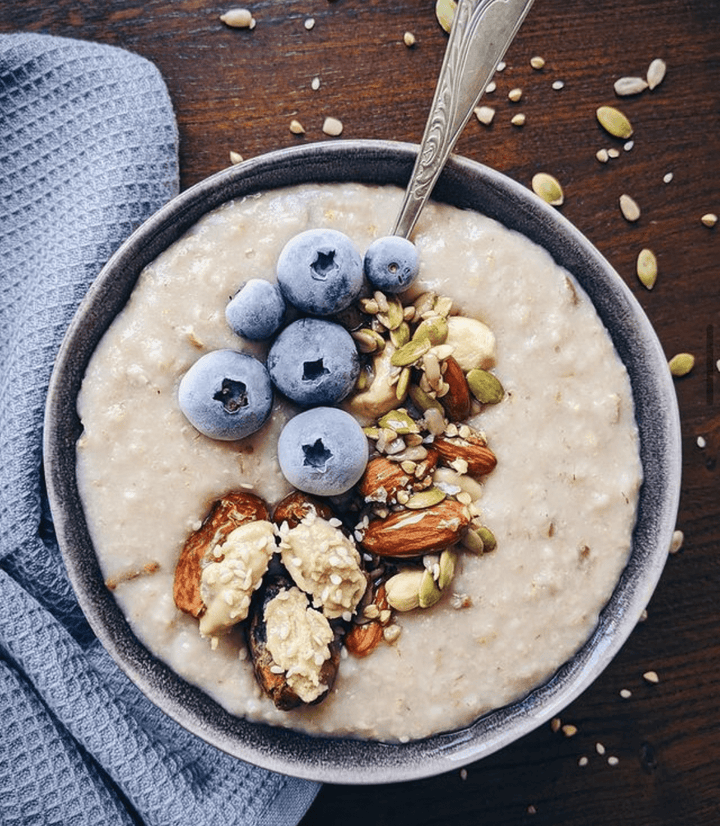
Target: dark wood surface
point(238, 90)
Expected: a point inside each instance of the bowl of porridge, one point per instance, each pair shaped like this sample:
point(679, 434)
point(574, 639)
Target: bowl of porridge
point(484, 561)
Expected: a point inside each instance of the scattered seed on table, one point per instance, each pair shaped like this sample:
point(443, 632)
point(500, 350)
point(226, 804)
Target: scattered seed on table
point(558, 84)
point(583, 761)
point(628, 145)
point(315, 84)
point(235, 157)
point(463, 774)
point(629, 86)
point(625, 693)
point(599, 748)
point(515, 94)
point(681, 364)
point(555, 724)
point(656, 73)
point(238, 19)
point(409, 39)
point(629, 208)
point(518, 120)
point(332, 126)
point(569, 730)
point(667, 177)
point(701, 443)
point(501, 66)
point(309, 23)
point(491, 87)
point(651, 677)
point(602, 155)
point(485, 114)
point(614, 152)
point(709, 219)
point(613, 761)
point(537, 62)
point(676, 543)
point(296, 127)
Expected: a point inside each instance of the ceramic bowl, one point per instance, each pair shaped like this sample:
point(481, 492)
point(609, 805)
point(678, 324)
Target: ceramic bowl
point(463, 184)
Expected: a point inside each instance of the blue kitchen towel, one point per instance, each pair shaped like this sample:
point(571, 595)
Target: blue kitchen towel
point(88, 150)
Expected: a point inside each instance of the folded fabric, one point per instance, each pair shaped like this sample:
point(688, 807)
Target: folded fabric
point(88, 150)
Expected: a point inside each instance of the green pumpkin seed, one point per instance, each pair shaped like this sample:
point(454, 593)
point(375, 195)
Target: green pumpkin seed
point(646, 268)
point(434, 330)
point(486, 387)
point(409, 353)
point(472, 540)
point(394, 316)
point(614, 121)
point(368, 341)
point(403, 382)
point(400, 421)
point(488, 539)
point(422, 400)
point(548, 188)
point(400, 335)
point(428, 592)
point(681, 364)
point(448, 558)
point(425, 499)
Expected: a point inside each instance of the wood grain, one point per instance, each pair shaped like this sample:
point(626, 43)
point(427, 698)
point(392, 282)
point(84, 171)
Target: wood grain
point(238, 90)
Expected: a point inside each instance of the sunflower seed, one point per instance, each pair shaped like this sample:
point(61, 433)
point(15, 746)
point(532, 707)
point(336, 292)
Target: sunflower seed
point(629, 86)
point(238, 19)
point(656, 73)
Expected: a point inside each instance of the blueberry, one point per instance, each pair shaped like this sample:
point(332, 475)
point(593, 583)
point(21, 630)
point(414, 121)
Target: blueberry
point(226, 395)
point(391, 263)
point(320, 272)
point(257, 310)
point(314, 361)
point(322, 451)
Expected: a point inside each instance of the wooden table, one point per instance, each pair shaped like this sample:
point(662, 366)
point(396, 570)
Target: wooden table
point(239, 90)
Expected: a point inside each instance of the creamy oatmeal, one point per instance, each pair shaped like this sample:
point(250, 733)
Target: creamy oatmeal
point(561, 501)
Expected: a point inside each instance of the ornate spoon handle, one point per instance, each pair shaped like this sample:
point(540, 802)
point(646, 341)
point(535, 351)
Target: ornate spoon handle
point(480, 34)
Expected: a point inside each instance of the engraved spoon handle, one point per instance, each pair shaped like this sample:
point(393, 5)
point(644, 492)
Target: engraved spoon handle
point(480, 34)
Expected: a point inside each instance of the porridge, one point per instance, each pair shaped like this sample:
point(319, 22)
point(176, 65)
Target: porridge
point(546, 530)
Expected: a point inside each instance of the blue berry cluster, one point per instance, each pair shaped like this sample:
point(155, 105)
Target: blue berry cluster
point(313, 360)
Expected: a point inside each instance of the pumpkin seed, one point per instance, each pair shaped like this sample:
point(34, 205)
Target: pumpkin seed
point(629, 208)
point(472, 540)
point(402, 590)
point(488, 538)
point(409, 353)
point(425, 499)
point(630, 86)
point(393, 316)
point(400, 422)
point(403, 382)
point(448, 558)
point(428, 592)
point(434, 330)
point(445, 12)
point(614, 121)
point(548, 188)
point(422, 400)
point(681, 364)
point(656, 72)
point(424, 302)
point(646, 268)
point(485, 386)
point(400, 335)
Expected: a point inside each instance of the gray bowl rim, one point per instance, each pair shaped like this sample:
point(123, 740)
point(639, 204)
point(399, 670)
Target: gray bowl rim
point(465, 184)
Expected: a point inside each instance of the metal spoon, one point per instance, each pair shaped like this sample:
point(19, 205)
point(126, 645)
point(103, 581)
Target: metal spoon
point(480, 34)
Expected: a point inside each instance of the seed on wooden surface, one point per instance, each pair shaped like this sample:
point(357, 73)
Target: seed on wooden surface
point(315, 84)
point(681, 364)
point(537, 62)
point(555, 724)
point(701, 442)
point(515, 94)
point(518, 120)
point(629, 86)
point(409, 39)
point(599, 748)
point(613, 152)
point(332, 126)
point(491, 87)
point(296, 127)
point(569, 730)
point(445, 12)
point(614, 121)
point(625, 693)
point(678, 538)
point(548, 188)
point(709, 219)
point(558, 84)
point(628, 145)
point(646, 268)
point(309, 23)
point(629, 208)
point(651, 677)
point(656, 72)
point(613, 761)
point(235, 157)
point(484, 114)
point(238, 19)
point(583, 761)
point(667, 177)
point(602, 155)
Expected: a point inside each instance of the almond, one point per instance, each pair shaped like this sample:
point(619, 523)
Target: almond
point(296, 505)
point(362, 639)
point(471, 450)
point(227, 513)
point(413, 533)
point(382, 480)
point(457, 399)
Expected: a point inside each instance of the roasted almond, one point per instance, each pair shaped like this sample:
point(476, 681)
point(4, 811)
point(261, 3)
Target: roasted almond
point(382, 480)
point(472, 451)
point(408, 533)
point(362, 639)
point(227, 513)
point(457, 399)
point(296, 505)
